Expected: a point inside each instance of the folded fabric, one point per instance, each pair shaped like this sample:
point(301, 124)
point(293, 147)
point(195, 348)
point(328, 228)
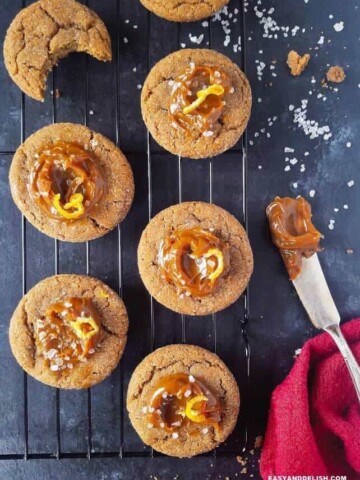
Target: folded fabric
point(314, 420)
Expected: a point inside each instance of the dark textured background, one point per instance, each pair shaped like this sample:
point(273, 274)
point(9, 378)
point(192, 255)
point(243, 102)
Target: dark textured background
point(256, 337)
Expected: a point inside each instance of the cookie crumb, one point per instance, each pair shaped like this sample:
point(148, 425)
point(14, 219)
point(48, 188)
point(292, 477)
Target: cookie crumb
point(258, 441)
point(241, 460)
point(296, 63)
point(335, 74)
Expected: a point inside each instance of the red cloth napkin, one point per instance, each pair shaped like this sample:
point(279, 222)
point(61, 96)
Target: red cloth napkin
point(314, 420)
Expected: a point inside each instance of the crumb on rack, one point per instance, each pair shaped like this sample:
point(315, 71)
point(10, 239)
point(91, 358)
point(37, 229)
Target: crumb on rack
point(335, 74)
point(258, 441)
point(297, 63)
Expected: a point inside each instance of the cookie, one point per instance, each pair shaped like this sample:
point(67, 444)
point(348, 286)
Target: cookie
point(185, 11)
point(71, 183)
point(46, 31)
point(182, 400)
point(196, 103)
point(69, 331)
point(195, 258)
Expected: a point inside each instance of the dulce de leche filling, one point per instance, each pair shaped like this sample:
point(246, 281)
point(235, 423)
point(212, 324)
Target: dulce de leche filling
point(66, 181)
point(67, 333)
point(193, 260)
point(181, 400)
point(292, 231)
point(197, 100)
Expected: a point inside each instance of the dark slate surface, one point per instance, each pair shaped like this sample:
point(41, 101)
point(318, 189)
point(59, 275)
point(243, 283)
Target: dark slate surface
point(256, 337)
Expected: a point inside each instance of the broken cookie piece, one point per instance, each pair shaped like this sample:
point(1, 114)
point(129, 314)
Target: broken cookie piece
point(47, 31)
point(297, 63)
point(335, 74)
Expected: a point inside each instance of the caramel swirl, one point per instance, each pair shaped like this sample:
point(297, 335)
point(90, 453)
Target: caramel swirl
point(66, 181)
point(181, 400)
point(197, 98)
point(292, 231)
point(193, 260)
point(67, 333)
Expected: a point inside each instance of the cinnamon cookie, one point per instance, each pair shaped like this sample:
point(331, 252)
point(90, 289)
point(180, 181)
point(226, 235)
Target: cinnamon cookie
point(196, 103)
point(69, 331)
point(71, 183)
point(182, 400)
point(185, 11)
point(46, 31)
point(195, 258)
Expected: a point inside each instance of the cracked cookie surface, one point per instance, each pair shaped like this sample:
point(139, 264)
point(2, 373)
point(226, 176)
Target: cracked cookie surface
point(46, 31)
point(211, 218)
point(190, 360)
point(113, 206)
point(155, 105)
point(114, 320)
point(184, 10)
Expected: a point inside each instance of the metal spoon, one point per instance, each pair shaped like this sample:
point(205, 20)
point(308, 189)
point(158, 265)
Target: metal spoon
point(315, 295)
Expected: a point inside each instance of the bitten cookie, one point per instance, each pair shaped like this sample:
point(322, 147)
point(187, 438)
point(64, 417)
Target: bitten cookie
point(46, 31)
point(71, 183)
point(69, 331)
point(195, 258)
point(185, 11)
point(182, 400)
point(196, 103)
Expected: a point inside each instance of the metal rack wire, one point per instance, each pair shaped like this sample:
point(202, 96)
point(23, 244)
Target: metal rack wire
point(89, 453)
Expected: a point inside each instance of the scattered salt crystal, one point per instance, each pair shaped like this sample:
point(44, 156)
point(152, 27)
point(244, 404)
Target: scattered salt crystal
point(338, 27)
point(126, 40)
point(346, 207)
point(331, 225)
point(205, 431)
point(151, 409)
point(175, 435)
point(187, 393)
point(54, 368)
point(144, 410)
point(321, 40)
point(348, 144)
point(191, 379)
point(351, 183)
point(289, 150)
point(150, 425)
point(208, 133)
point(312, 193)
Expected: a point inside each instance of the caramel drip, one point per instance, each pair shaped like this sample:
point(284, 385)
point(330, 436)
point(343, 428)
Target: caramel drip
point(187, 92)
point(67, 333)
point(66, 181)
point(193, 260)
point(181, 400)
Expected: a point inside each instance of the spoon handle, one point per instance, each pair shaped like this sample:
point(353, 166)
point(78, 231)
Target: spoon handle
point(350, 360)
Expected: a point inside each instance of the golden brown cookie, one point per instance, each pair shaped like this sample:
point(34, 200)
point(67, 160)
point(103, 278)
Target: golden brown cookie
point(164, 284)
point(51, 345)
point(46, 31)
point(185, 11)
point(193, 137)
point(108, 207)
point(184, 437)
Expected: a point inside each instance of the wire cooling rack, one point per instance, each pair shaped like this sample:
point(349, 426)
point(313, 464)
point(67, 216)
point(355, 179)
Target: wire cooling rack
point(41, 411)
